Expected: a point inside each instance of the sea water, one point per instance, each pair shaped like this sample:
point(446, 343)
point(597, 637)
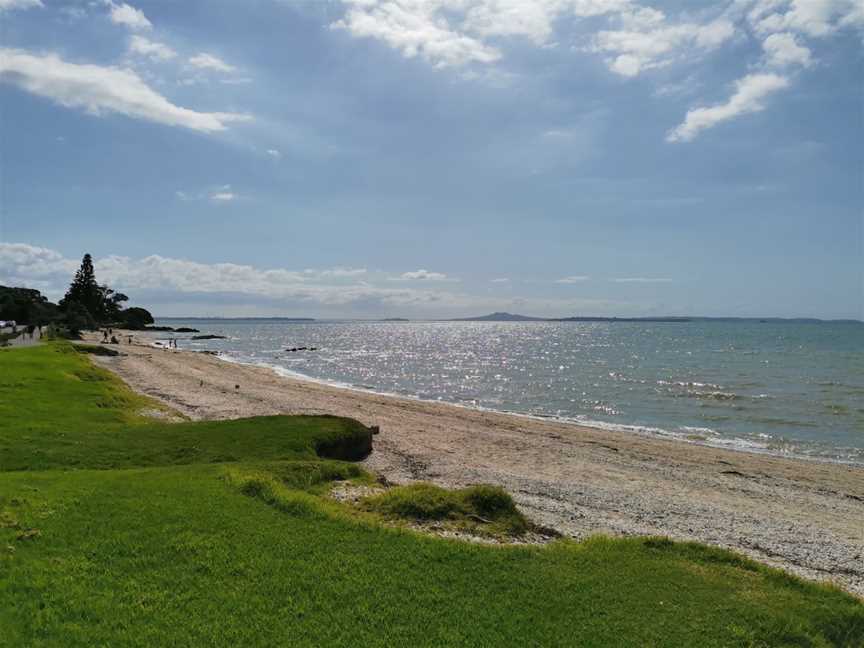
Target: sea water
point(782, 387)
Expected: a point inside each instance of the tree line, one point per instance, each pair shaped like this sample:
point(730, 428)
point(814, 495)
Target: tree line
point(87, 305)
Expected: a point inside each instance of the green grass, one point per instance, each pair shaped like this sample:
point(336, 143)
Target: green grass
point(116, 530)
point(482, 509)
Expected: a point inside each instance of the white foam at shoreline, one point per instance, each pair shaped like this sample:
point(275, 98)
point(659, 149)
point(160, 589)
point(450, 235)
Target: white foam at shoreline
point(684, 436)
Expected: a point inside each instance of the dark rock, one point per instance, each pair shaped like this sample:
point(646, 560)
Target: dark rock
point(183, 329)
point(208, 337)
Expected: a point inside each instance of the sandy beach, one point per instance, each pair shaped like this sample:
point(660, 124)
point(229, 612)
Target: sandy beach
point(804, 516)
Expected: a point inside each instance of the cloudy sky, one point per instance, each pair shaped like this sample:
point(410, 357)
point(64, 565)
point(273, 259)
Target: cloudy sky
point(432, 158)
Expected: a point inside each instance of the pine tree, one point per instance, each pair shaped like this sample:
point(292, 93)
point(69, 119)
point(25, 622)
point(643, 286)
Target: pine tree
point(84, 290)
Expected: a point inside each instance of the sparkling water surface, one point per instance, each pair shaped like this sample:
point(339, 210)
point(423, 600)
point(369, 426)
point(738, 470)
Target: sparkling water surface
point(786, 387)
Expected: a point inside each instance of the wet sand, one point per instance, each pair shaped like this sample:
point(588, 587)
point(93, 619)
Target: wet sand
point(804, 516)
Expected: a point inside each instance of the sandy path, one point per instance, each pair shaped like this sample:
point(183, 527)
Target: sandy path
point(803, 515)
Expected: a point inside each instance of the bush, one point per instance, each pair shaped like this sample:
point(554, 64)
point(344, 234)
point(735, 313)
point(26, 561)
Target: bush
point(136, 318)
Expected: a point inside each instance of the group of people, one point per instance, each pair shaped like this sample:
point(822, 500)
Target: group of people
point(108, 337)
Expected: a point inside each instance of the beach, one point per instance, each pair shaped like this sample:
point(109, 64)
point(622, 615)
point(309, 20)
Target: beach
point(804, 516)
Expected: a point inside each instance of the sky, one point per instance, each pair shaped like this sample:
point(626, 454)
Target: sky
point(438, 158)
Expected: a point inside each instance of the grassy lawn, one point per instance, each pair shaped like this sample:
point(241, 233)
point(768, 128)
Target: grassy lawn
point(116, 530)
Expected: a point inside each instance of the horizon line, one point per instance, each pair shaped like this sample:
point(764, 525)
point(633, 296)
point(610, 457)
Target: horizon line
point(673, 318)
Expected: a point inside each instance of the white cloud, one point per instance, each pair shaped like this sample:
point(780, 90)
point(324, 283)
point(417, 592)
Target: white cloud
point(6, 5)
point(423, 275)
point(124, 14)
point(21, 263)
point(337, 273)
point(642, 280)
point(217, 194)
point(457, 32)
point(534, 20)
point(151, 49)
point(499, 280)
point(49, 271)
point(416, 29)
point(630, 37)
point(274, 153)
point(648, 42)
point(223, 194)
point(783, 50)
point(572, 279)
point(750, 93)
point(815, 18)
point(205, 61)
point(102, 90)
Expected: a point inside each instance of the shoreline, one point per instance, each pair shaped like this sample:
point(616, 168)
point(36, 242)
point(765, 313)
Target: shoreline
point(795, 513)
point(645, 431)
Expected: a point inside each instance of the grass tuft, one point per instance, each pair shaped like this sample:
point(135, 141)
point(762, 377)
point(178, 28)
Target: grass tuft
point(484, 509)
point(267, 488)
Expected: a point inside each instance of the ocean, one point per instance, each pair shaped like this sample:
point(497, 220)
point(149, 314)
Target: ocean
point(781, 387)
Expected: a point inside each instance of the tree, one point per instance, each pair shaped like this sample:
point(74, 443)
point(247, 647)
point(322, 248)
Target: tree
point(84, 290)
point(136, 318)
point(104, 304)
point(26, 306)
point(78, 318)
point(111, 306)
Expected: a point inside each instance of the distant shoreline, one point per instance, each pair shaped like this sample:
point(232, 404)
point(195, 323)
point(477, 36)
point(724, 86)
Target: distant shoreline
point(526, 319)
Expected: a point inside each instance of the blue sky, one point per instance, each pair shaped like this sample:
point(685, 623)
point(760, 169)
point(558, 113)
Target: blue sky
point(433, 158)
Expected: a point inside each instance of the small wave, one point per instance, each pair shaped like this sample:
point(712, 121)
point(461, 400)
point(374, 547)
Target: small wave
point(698, 430)
point(684, 383)
point(708, 395)
point(738, 443)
